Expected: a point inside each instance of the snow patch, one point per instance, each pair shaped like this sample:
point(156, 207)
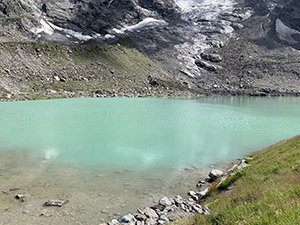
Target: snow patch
point(49, 28)
point(146, 23)
point(45, 27)
point(285, 33)
point(72, 33)
point(109, 36)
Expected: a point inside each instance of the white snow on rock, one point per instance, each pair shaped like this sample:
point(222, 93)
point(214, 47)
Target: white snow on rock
point(45, 27)
point(285, 33)
point(109, 36)
point(204, 9)
point(49, 28)
point(146, 23)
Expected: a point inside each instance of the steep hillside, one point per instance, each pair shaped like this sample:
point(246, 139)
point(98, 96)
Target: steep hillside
point(41, 71)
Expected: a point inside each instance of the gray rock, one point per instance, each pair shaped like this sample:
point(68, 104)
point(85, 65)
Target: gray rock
point(215, 174)
point(206, 210)
point(19, 197)
point(211, 57)
point(165, 201)
point(206, 66)
point(140, 222)
point(140, 217)
point(203, 193)
point(141, 211)
point(114, 222)
point(58, 203)
point(178, 200)
point(193, 195)
point(242, 165)
point(198, 208)
point(150, 221)
point(150, 213)
point(128, 219)
point(57, 78)
point(164, 218)
point(237, 26)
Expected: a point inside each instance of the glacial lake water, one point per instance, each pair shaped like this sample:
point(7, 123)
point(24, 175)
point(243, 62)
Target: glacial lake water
point(112, 156)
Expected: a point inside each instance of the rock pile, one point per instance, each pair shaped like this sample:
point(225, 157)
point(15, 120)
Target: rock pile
point(167, 210)
point(171, 209)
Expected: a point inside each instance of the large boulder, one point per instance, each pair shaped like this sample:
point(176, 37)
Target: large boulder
point(215, 174)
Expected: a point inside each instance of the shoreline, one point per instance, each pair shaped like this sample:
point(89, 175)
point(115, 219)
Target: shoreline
point(171, 209)
point(186, 95)
point(178, 209)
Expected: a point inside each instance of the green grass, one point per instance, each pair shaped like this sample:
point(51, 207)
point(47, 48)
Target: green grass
point(267, 192)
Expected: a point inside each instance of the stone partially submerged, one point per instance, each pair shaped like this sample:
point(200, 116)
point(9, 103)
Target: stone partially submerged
point(58, 203)
point(215, 174)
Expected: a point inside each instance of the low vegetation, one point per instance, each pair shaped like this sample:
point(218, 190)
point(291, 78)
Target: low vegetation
point(266, 192)
point(43, 71)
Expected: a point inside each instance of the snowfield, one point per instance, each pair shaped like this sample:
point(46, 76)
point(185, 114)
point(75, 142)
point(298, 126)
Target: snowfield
point(285, 33)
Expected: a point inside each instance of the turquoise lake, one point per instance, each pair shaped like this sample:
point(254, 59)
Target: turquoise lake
point(128, 152)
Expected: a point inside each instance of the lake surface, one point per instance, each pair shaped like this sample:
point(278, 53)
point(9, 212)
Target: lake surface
point(112, 156)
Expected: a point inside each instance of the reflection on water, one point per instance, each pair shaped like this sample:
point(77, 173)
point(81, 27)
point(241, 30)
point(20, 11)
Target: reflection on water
point(111, 156)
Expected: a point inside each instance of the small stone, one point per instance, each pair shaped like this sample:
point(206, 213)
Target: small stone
point(114, 222)
point(199, 185)
point(165, 201)
point(19, 197)
point(182, 206)
point(242, 165)
point(189, 168)
point(206, 210)
point(57, 78)
point(128, 219)
point(161, 221)
point(45, 213)
point(193, 195)
point(203, 193)
point(104, 211)
point(211, 57)
point(150, 213)
point(178, 200)
point(206, 66)
point(150, 221)
point(198, 208)
point(58, 203)
point(164, 218)
point(140, 217)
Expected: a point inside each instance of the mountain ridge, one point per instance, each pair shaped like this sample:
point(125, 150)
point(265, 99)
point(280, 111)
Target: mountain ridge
point(256, 42)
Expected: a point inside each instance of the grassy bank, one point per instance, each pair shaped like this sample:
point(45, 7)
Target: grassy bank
point(268, 192)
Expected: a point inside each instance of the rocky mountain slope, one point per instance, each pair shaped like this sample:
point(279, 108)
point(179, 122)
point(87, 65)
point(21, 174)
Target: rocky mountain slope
point(225, 47)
